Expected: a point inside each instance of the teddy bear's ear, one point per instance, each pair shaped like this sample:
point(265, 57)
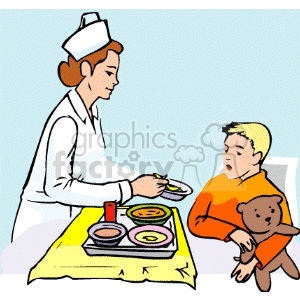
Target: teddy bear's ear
point(278, 199)
point(240, 207)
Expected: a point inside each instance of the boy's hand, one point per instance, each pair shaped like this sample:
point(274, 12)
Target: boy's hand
point(243, 239)
point(244, 272)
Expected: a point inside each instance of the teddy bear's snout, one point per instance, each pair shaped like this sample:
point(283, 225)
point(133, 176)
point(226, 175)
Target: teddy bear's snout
point(268, 219)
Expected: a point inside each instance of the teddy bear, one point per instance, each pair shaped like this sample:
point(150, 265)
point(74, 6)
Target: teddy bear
point(262, 217)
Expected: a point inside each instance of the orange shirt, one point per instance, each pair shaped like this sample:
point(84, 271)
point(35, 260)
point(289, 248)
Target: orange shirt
point(214, 213)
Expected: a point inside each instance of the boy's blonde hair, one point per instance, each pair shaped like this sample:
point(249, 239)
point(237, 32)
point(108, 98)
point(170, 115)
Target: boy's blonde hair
point(257, 133)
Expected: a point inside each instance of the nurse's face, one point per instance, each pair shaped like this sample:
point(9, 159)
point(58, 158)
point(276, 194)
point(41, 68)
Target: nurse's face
point(104, 77)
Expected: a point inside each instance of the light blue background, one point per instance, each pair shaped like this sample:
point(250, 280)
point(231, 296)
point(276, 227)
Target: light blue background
point(181, 71)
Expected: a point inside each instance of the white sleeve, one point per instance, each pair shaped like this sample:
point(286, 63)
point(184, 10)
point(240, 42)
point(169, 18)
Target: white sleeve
point(59, 183)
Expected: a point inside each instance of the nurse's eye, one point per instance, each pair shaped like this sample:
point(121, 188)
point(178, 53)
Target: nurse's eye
point(109, 73)
point(238, 153)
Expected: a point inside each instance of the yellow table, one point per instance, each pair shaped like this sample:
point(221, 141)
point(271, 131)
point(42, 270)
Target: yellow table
point(67, 258)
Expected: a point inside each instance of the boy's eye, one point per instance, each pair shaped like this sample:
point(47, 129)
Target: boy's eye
point(272, 210)
point(257, 215)
point(109, 73)
point(238, 153)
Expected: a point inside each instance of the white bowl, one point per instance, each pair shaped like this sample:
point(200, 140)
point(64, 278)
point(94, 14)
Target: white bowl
point(177, 196)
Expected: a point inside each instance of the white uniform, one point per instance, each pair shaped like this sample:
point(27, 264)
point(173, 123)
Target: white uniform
point(69, 170)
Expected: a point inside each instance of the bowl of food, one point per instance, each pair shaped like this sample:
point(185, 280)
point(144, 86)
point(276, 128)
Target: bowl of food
point(107, 233)
point(150, 236)
point(144, 214)
point(175, 190)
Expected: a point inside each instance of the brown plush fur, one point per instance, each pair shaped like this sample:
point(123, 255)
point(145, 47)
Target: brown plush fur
point(262, 217)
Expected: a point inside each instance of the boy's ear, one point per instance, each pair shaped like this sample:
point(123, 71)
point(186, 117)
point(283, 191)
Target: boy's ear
point(257, 158)
point(278, 199)
point(240, 207)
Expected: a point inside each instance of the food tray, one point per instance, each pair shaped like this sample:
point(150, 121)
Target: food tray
point(127, 249)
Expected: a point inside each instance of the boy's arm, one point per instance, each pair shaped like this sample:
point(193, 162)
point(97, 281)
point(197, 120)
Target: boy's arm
point(268, 249)
point(202, 225)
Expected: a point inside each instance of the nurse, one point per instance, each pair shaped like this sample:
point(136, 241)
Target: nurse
point(63, 178)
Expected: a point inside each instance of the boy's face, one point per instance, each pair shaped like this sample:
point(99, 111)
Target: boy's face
point(238, 156)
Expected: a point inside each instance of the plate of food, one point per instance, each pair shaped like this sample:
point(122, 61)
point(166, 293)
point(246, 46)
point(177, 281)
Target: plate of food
point(149, 214)
point(150, 236)
point(107, 233)
point(175, 190)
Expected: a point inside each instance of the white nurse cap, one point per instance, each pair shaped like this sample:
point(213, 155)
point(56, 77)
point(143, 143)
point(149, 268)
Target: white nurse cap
point(92, 35)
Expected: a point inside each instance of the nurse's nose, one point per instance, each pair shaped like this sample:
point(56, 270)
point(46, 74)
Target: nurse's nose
point(116, 81)
point(268, 219)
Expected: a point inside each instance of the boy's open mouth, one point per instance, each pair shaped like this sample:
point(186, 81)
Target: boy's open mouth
point(228, 167)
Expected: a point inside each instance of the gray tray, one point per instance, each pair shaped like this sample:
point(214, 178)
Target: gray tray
point(127, 249)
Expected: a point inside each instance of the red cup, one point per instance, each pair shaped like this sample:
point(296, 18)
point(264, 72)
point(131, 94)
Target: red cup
point(110, 211)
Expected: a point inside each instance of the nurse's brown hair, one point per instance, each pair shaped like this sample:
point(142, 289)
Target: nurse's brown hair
point(69, 72)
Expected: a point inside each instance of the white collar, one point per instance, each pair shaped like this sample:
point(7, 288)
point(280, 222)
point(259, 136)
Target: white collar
point(79, 106)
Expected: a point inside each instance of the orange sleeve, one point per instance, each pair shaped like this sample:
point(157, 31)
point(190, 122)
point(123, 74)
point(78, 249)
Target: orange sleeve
point(202, 225)
point(271, 247)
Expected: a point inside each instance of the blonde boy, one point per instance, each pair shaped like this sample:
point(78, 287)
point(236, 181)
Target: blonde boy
point(214, 213)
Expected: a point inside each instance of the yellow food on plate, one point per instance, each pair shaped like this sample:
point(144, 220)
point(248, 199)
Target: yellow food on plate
point(159, 176)
point(148, 212)
point(169, 187)
point(150, 237)
point(173, 188)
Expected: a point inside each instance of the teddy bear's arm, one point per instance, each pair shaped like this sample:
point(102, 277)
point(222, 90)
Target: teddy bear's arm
point(286, 229)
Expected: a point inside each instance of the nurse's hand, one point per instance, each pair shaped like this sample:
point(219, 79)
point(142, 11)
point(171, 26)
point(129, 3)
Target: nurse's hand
point(148, 186)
